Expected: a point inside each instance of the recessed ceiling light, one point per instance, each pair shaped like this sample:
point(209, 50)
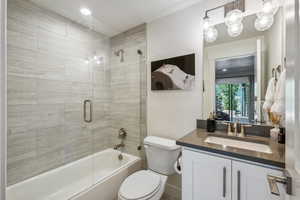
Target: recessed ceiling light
point(85, 11)
point(224, 70)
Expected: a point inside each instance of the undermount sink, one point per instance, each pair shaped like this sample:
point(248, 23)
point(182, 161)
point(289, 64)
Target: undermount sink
point(239, 144)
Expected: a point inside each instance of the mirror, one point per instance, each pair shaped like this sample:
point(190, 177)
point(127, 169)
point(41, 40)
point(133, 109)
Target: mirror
point(236, 71)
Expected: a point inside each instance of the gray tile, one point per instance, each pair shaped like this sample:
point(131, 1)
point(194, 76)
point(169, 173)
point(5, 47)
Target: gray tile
point(21, 170)
point(21, 40)
point(21, 146)
point(50, 140)
point(21, 90)
point(77, 142)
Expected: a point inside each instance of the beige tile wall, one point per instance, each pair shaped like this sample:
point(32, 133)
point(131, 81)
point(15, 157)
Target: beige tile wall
point(47, 83)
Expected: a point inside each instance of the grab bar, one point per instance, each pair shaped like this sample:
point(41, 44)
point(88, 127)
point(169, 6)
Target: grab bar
point(84, 111)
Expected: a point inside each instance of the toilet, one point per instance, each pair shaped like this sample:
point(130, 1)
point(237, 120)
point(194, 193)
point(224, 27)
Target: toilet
point(150, 184)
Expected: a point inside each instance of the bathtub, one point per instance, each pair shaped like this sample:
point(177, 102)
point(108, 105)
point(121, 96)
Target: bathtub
point(95, 177)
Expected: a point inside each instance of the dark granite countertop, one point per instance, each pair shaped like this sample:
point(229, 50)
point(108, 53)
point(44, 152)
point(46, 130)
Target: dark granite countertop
point(196, 139)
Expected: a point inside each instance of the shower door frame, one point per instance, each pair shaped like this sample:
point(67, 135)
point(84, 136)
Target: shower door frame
point(3, 99)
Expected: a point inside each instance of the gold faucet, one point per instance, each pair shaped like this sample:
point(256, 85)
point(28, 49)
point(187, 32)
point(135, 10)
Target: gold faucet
point(229, 129)
point(233, 129)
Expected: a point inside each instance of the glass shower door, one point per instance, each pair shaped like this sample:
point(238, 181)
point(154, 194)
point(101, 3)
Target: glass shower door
point(100, 127)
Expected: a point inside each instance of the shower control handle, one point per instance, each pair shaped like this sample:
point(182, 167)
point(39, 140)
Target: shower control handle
point(122, 133)
point(85, 104)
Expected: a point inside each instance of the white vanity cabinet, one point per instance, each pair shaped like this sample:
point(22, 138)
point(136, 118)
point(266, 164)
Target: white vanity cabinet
point(212, 177)
point(250, 182)
point(205, 177)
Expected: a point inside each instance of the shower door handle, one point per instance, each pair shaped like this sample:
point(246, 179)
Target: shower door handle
point(85, 104)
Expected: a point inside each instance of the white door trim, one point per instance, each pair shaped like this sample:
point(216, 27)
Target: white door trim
point(3, 107)
point(292, 20)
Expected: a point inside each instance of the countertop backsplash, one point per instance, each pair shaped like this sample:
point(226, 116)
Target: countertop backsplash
point(257, 130)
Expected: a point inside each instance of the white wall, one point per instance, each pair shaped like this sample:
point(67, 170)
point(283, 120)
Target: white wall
point(173, 114)
point(275, 43)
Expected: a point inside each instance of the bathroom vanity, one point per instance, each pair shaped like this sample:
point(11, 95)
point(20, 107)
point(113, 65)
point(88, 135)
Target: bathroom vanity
point(236, 71)
point(211, 170)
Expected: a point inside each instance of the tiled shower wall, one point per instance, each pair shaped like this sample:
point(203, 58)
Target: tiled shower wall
point(48, 80)
point(47, 83)
point(128, 88)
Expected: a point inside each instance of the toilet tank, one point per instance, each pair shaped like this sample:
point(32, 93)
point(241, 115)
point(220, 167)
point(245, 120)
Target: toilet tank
point(161, 154)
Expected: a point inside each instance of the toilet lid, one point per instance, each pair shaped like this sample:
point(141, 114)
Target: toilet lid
point(140, 185)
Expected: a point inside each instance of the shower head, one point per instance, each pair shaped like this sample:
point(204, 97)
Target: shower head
point(120, 52)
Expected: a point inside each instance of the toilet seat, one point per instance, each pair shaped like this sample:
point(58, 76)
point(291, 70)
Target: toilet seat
point(141, 185)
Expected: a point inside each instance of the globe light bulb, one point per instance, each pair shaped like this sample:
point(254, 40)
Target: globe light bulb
point(234, 17)
point(264, 22)
point(206, 23)
point(211, 34)
point(267, 7)
point(85, 11)
point(270, 7)
point(235, 29)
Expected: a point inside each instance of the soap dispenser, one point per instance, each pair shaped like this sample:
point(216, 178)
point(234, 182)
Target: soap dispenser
point(211, 123)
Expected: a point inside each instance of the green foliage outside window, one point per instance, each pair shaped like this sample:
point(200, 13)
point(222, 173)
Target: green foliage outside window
point(225, 93)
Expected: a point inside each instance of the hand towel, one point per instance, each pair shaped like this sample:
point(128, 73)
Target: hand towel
point(278, 106)
point(269, 98)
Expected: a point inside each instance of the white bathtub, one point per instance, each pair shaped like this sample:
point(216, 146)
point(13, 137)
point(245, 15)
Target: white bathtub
point(96, 177)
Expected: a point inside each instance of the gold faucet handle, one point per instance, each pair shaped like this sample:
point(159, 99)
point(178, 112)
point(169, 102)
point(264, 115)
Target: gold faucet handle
point(243, 126)
point(229, 130)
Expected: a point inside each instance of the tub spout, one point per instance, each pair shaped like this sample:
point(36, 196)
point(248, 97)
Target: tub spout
point(118, 146)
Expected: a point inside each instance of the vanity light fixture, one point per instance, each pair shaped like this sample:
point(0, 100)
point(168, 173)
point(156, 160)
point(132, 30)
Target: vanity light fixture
point(234, 19)
point(85, 11)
